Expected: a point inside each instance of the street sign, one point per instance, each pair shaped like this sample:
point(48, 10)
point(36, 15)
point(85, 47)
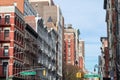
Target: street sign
point(27, 73)
point(78, 75)
point(91, 75)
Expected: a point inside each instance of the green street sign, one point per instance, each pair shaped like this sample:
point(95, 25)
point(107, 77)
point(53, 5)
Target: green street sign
point(27, 73)
point(91, 75)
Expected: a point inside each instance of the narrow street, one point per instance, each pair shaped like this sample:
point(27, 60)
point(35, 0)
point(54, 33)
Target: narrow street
point(59, 40)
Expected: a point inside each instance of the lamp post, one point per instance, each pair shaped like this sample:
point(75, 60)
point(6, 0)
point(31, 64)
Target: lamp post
point(96, 66)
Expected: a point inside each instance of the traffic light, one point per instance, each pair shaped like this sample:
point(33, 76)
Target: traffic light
point(44, 72)
point(78, 75)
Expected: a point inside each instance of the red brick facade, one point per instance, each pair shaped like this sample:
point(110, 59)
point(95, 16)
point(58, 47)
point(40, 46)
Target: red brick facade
point(69, 39)
point(11, 41)
point(81, 63)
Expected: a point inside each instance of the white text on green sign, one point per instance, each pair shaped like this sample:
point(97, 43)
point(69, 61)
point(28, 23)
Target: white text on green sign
point(25, 73)
point(91, 75)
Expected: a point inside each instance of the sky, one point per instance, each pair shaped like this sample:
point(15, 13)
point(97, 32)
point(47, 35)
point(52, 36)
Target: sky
point(89, 17)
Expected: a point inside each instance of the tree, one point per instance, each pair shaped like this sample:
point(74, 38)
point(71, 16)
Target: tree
point(70, 72)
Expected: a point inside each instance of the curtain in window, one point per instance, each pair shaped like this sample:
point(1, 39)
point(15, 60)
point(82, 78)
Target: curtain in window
point(6, 50)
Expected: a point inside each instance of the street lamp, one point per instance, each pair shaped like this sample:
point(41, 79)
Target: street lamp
point(101, 75)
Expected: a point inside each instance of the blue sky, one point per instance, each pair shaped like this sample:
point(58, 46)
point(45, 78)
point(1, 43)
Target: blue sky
point(89, 17)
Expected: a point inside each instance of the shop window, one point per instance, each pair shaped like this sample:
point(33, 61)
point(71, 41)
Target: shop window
point(6, 50)
point(6, 34)
point(7, 19)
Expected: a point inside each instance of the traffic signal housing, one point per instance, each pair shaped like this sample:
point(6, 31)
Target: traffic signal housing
point(44, 72)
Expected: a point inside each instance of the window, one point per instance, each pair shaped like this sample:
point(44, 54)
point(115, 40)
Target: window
point(0, 19)
point(5, 67)
point(69, 36)
point(69, 46)
point(0, 31)
point(7, 19)
point(15, 33)
point(6, 51)
point(15, 20)
point(69, 61)
point(19, 25)
point(69, 58)
point(6, 34)
point(22, 27)
point(22, 40)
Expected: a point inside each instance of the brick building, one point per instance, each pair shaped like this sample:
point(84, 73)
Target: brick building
point(69, 39)
point(81, 55)
point(73, 51)
point(11, 40)
point(23, 6)
point(112, 20)
point(104, 58)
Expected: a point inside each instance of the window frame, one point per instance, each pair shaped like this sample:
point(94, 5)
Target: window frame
point(8, 18)
point(6, 35)
point(4, 51)
point(4, 66)
point(0, 18)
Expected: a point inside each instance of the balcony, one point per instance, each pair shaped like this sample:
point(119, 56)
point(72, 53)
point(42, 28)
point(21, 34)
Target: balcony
point(28, 39)
point(35, 44)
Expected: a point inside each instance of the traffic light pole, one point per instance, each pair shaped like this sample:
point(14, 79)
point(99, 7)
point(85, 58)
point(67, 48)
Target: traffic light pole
point(7, 77)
